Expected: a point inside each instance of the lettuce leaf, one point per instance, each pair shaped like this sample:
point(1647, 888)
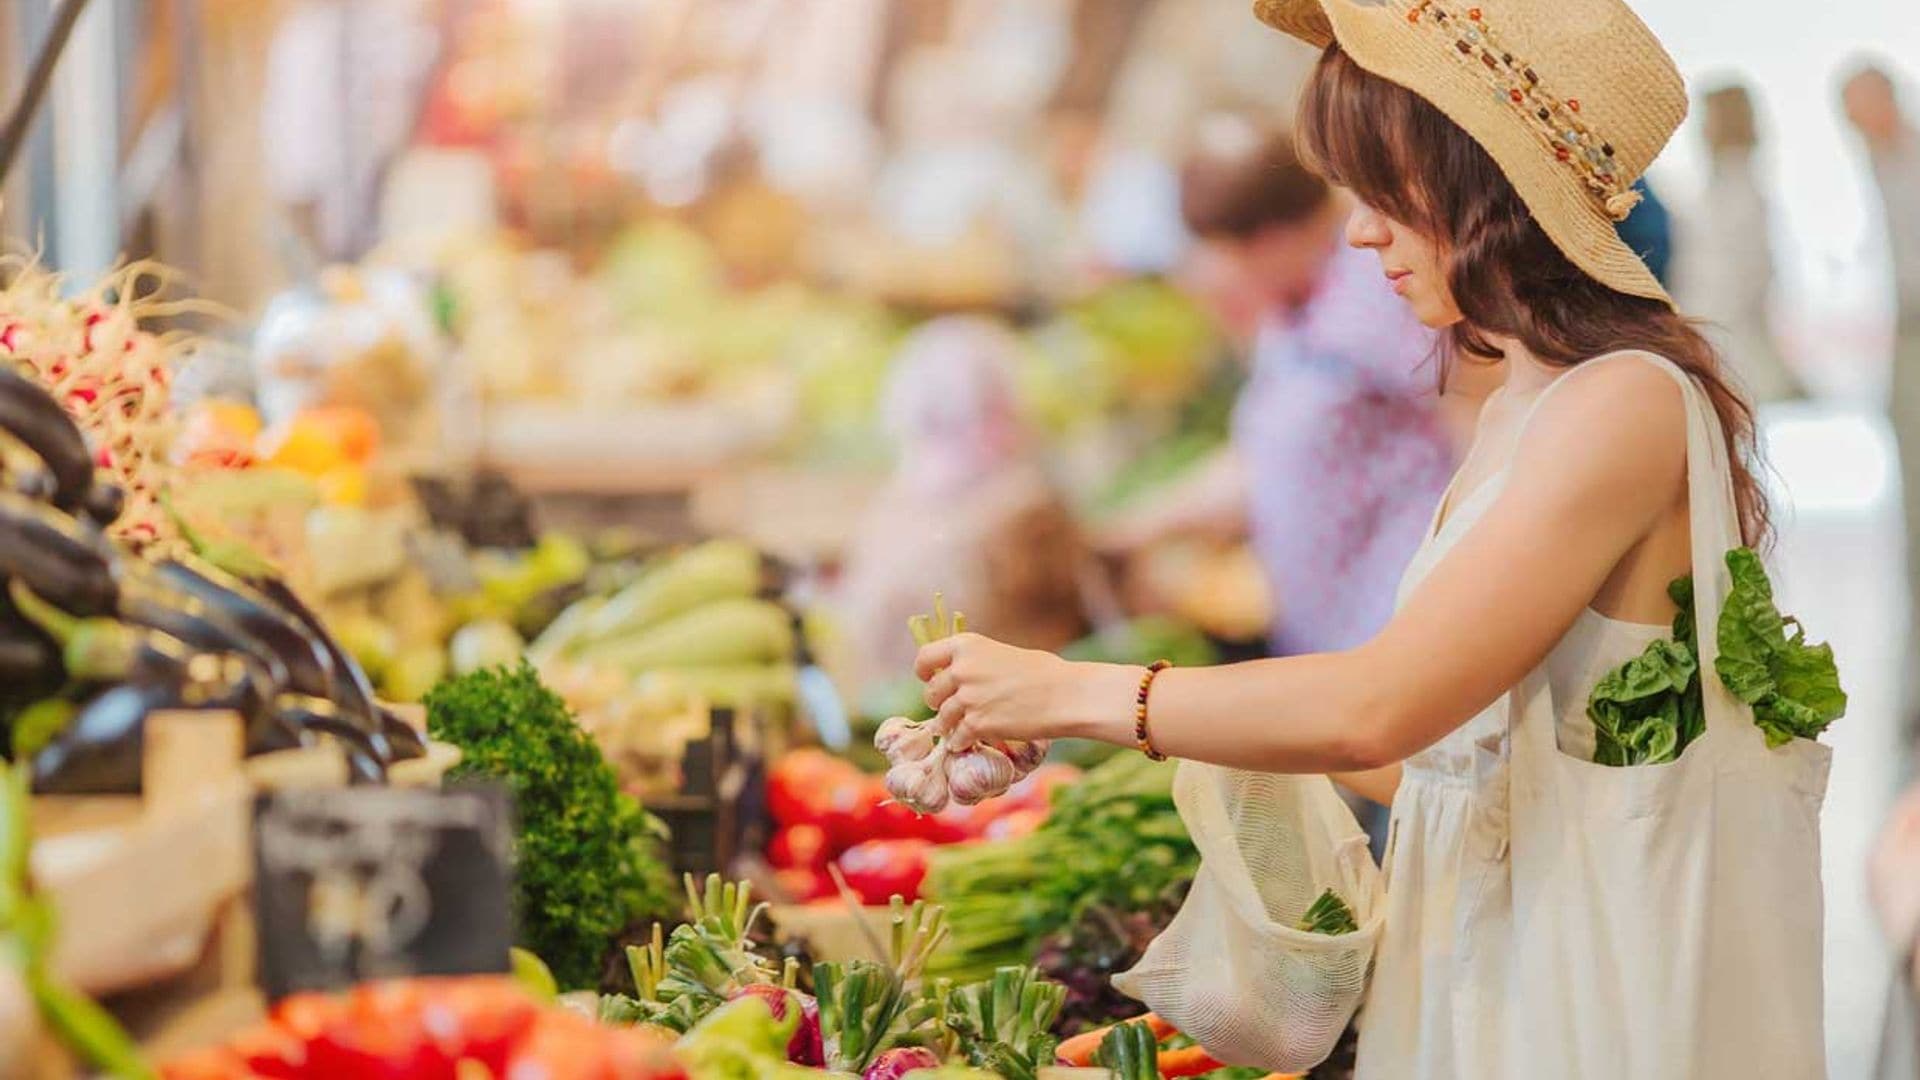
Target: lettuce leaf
point(1766, 661)
point(1649, 709)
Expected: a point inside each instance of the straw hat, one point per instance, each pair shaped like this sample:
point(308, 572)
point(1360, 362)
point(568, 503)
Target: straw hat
point(1572, 98)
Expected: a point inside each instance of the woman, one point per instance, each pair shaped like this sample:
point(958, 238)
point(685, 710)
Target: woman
point(1545, 915)
point(1339, 447)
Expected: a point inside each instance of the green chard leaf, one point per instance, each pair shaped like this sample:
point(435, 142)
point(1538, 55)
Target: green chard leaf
point(1793, 686)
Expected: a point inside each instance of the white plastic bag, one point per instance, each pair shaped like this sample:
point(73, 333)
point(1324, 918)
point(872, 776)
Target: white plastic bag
point(1231, 971)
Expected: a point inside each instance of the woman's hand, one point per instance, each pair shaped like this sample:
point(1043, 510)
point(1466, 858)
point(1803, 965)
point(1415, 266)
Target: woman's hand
point(983, 689)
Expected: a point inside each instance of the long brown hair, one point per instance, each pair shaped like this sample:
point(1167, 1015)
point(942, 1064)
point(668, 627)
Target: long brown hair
point(1403, 157)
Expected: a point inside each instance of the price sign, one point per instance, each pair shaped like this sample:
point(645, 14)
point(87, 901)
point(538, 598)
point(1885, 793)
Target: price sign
point(363, 883)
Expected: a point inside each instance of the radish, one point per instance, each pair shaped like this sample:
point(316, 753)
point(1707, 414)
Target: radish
point(805, 1048)
point(898, 1062)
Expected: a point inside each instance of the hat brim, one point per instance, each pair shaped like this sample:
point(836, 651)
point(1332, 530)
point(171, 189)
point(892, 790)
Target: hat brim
point(1376, 36)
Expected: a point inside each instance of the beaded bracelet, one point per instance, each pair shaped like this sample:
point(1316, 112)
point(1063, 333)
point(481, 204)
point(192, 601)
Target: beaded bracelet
point(1141, 738)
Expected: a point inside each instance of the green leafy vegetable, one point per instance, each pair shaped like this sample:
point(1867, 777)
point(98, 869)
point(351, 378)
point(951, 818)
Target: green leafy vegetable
point(1648, 710)
point(585, 858)
point(1793, 686)
point(1328, 915)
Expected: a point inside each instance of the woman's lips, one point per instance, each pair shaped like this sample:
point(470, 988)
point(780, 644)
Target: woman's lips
point(1399, 278)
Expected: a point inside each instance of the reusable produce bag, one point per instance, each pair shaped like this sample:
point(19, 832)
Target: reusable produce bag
point(1231, 970)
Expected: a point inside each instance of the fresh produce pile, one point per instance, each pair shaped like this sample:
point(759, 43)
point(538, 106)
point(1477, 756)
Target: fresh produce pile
point(98, 636)
point(1649, 709)
point(92, 354)
point(926, 772)
point(587, 865)
point(875, 1019)
point(828, 812)
point(31, 994)
point(432, 1029)
point(693, 619)
point(1113, 841)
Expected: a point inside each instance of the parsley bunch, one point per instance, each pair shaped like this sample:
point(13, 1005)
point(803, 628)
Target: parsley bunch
point(586, 857)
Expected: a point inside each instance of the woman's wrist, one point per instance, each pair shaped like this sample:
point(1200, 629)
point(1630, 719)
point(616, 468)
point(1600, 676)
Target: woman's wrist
point(1099, 702)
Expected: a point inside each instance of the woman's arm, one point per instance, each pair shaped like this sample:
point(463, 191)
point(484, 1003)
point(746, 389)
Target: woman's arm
point(1210, 499)
point(1603, 461)
point(1377, 784)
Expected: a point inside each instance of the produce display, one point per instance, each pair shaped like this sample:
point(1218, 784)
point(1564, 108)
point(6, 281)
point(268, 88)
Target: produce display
point(101, 635)
point(1649, 709)
point(585, 859)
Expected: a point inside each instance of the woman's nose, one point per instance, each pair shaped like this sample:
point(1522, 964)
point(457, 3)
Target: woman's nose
point(1367, 228)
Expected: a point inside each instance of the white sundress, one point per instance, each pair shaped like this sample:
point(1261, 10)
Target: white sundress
point(1450, 999)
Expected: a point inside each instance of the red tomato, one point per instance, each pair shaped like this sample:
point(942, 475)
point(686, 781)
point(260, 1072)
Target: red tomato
point(798, 782)
point(880, 869)
point(802, 847)
point(850, 808)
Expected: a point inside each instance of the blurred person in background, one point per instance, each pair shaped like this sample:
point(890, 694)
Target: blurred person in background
point(1727, 270)
point(1893, 151)
point(967, 511)
point(1341, 444)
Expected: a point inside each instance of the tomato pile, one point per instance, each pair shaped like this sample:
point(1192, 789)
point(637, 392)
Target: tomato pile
point(828, 811)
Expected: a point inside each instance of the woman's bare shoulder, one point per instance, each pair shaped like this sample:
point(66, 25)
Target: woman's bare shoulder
point(1611, 426)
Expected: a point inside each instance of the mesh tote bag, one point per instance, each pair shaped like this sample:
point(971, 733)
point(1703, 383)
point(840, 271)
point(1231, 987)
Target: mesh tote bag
point(1231, 970)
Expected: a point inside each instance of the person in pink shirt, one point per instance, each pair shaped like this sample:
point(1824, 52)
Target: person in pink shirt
point(1342, 440)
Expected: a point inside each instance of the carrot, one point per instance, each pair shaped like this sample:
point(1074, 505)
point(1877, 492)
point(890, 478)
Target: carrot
point(1186, 1061)
point(1078, 1051)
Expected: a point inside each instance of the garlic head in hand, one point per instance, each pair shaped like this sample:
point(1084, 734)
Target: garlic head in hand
point(979, 774)
point(920, 786)
point(900, 739)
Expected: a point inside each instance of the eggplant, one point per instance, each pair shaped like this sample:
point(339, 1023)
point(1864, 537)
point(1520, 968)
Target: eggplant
point(367, 753)
point(100, 752)
point(352, 691)
point(157, 607)
point(32, 416)
point(403, 739)
point(104, 503)
point(67, 562)
point(309, 666)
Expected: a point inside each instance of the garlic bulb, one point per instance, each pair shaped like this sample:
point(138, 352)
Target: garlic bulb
point(900, 739)
point(920, 786)
point(979, 774)
point(1025, 755)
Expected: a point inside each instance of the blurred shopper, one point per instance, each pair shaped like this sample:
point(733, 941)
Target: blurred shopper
point(1727, 270)
point(1339, 448)
point(967, 511)
point(1893, 150)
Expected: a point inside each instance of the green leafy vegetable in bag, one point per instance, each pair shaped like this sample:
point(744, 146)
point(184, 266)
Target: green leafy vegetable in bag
point(1793, 686)
point(1649, 709)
